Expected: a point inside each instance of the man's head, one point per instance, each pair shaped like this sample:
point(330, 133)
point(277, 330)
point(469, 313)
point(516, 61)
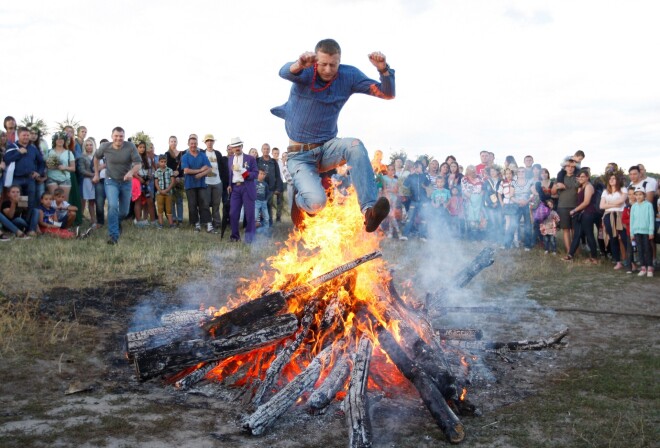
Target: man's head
point(642, 171)
point(578, 156)
point(265, 151)
point(276, 153)
point(23, 135)
point(633, 173)
point(192, 142)
point(10, 123)
point(262, 175)
point(209, 140)
point(328, 58)
point(117, 137)
point(529, 161)
point(235, 147)
point(484, 156)
point(419, 167)
point(570, 167)
point(82, 132)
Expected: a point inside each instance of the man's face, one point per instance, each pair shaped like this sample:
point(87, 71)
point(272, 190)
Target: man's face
point(570, 168)
point(276, 153)
point(82, 133)
point(529, 161)
point(117, 139)
point(634, 176)
point(192, 144)
point(238, 150)
point(327, 65)
point(484, 157)
point(265, 151)
point(209, 145)
point(24, 138)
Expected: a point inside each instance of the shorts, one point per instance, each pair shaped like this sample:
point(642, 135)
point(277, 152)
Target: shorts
point(565, 217)
point(60, 183)
point(164, 204)
point(62, 215)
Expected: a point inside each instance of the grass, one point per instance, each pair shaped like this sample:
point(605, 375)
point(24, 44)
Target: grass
point(608, 397)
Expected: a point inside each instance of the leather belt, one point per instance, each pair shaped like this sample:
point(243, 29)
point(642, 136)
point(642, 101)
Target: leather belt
point(303, 147)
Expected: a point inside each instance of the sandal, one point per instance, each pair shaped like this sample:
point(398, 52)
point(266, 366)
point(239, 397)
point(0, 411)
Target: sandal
point(592, 261)
point(567, 258)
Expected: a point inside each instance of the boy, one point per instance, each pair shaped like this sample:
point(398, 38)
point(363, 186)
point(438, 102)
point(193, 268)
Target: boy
point(48, 221)
point(261, 203)
point(164, 184)
point(548, 229)
point(578, 157)
point(66, 213)
point(642, 226)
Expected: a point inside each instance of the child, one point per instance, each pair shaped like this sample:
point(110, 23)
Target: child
point(66, 213)
point(164, 185)
point(440, 198)
point(48, 222)
point(261, 204)
point(578, 157)
point(625, 221)
point(510, 208)
point(548, 229)
point(642, 223)
point(455, 209)
point(391, 192)
point(341, 181)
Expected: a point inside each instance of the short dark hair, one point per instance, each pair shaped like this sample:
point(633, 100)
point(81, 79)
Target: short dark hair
point(579, 153)
point(118, 129)
point(328, 46)
point(633, 168)
point(262, 170)
point(22, 129)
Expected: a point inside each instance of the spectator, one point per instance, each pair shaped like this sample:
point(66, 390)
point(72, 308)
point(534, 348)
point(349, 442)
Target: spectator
point(391, 191)
point(612, 203)
point(164, 182)
point(473, 204)
point(455, 209)
point(195, 167)
point(254, 153)
point(523, 195)
point(48, 222)
point(99, 190)
point(341, 181)
point(642, 228)
point(377, 164)
point(492, 206)
point(509, 207)
point(289, 181)
point(577, 159)
point(10, 129)
point(444, 172)
point(24, 164)
point(66, 213)
point(583, 216)
point(174, 163)
point(439, 216)
point(261, 201)
point(16, 217)
point(510, 162)
point(243, 172)
point(529, 167)
point(279, 202)
point(61, 164)
point(481, 169)
point(454, 178)
point(548, 228)
point(651, 187)
point(273, 178)
point(140, 189)
point(566, 201)
point(416, 183)
point(434, 171)
point(85, 167)
point(216, 181)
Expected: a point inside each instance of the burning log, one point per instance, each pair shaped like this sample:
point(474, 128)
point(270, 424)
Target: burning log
point(284, 356)
point(431, 396)
point(355, 403)
point(485, 258)
point(326, 392)
point(267, 413)
point(541, 344)
point(195, 376)
point(178, 355)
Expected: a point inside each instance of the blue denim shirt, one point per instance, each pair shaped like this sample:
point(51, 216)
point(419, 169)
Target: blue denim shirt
point(311, 117)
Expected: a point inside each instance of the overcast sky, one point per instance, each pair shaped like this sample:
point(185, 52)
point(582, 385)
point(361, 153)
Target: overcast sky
point(514, 77)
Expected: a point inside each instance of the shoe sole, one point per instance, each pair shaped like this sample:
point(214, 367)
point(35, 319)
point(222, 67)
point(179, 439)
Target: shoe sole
point(379, 211)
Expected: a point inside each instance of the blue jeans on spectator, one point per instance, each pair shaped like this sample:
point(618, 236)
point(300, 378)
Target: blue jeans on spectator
point(550, 243)
point(526, 228)
point(118, 194)
point(414, 211)
point(28, 188)
point(305, 167)
point(261, 212)
point(177, 204)
point(99, 195)
point(18, 223)
point(494, 224)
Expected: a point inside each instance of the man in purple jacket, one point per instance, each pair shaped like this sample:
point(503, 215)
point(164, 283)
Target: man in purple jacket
point(321, 87)
point(242, 190)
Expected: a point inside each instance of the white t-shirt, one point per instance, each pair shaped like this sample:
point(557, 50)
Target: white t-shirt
point(651, 184)
point(640, 184)
point(237, 170)
point(613, 198)
point(213, 177)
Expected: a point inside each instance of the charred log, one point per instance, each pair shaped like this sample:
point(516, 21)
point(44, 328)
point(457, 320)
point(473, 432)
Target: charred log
point(460, 334)
point(183, 317)
point(335, 381)
point(355, 403)
point(245, 314)
point(267, 413)
point(553, 341)
point(178, 355)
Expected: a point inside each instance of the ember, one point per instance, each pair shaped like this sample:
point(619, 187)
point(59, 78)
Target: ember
point(311, 328)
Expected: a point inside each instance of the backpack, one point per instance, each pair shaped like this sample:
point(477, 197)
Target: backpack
point(541, 213)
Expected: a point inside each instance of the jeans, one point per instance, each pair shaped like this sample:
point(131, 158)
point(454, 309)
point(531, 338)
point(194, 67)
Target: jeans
point(494, 224)
point(177, 203)
point(118, 194)
point(261, 210)
point(614, 241)
point(583, 228)
point(214, 202)
point(99, 193)
point(18, 223)
point(28, 188)
point(198, 208)
point(526, 226)
point(305, 167)
point(414, 210)
point(550, 243)
point(644, 250)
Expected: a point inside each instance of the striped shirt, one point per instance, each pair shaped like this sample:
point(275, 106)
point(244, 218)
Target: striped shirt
point(311, 117)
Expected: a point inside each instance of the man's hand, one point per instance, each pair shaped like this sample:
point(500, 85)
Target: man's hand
point(200, 175)
point(95, 179)
point(378, 60)
point(305, 60)
point(129, 175)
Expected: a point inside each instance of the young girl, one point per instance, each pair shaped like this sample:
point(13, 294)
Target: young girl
point(48, 223)
point(548, 229)
point(455, 209)
point(141, 193)
point(642, 226)
point(510, 209)
point(625, 221)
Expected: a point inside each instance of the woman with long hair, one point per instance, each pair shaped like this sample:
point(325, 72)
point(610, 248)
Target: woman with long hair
point(61, 165)
point(141, 194)
point(434, 171)
point(85, 167)
point(583, 217)
point(454, 177)
point(612, 202)
point(173, 156)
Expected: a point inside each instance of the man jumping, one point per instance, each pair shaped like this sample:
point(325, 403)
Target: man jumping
point(321, 87)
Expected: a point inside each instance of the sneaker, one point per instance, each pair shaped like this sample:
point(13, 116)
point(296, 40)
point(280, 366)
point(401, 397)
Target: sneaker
point(527, 249)
point(642, 272)
point(403, 238)
point(77, 231)
point(618, 266)
point(546, 252)
point(4, 238)
point(197, 228)
point(32, 233)
point(159, 226)
point(554, 253)
point(649, 272)
point(376, 214)
point(209, 228)
point(173, 226)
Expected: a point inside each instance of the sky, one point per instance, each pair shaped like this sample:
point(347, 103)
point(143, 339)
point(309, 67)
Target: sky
point(514, 77)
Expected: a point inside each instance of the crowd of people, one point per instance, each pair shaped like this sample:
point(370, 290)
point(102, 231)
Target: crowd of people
point(48, 189)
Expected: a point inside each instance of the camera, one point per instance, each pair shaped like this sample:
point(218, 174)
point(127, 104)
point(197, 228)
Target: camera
point(145, 191)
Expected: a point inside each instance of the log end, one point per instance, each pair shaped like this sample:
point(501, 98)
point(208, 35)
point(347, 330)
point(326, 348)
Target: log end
point(456, 433)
